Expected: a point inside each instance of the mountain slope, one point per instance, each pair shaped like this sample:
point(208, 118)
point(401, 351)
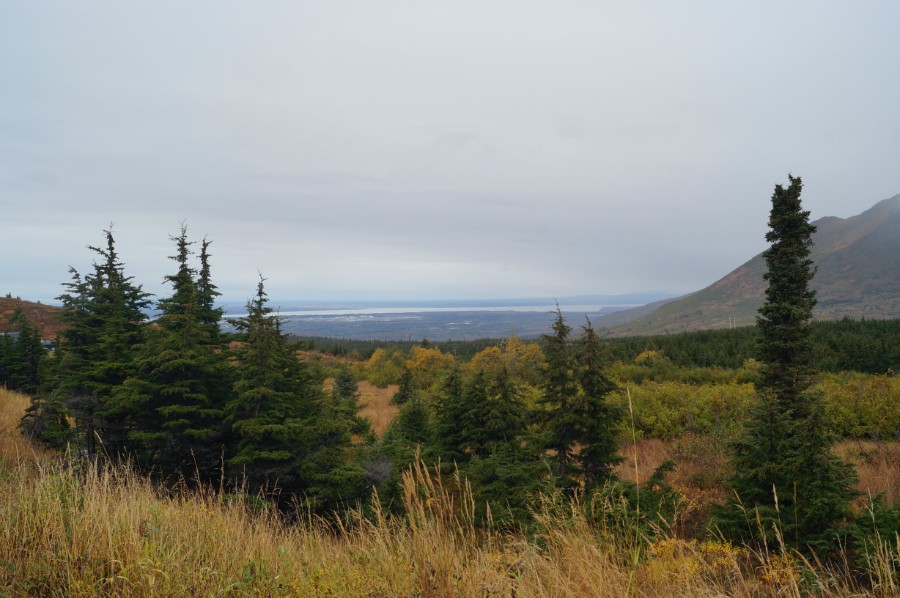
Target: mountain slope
point(858, 275)
point(45, 317)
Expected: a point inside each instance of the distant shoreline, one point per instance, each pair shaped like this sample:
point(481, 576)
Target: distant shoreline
point(433, 323)
point(398, 310)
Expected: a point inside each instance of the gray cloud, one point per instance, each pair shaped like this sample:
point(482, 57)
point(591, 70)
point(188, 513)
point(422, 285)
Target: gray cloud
point(419, 149)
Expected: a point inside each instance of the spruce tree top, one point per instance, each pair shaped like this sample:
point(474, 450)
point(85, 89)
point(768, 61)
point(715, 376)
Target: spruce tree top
point(786, 314)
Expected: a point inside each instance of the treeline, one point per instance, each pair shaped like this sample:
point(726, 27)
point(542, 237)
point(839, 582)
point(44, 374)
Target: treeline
point(363, 349)
point(21, 351)
point(869, 346)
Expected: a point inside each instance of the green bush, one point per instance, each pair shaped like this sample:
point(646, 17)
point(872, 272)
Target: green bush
point(669, 409)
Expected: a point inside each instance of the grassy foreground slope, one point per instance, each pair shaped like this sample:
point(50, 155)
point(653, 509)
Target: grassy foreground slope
point(70, 529)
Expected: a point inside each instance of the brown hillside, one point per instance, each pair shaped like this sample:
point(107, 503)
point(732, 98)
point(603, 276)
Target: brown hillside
point(858, 276)
point(44, 316)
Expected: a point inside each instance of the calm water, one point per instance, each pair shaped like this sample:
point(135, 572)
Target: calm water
point(370, 311)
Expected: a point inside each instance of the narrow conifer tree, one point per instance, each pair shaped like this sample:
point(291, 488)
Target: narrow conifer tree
point(333, 468)
point(450, 420)
point(599, 419)
point(504, 467)
point(785, 473)
point(408, 389)
point(560, 389)
point(209, 316)
point(7, 357)
point(345, 402)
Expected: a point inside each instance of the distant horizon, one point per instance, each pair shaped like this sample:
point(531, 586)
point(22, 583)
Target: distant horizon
point(303, 305)
point(638, 298)
point(413, 309)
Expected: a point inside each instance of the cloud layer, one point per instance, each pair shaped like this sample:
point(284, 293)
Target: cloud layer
point(435, 150)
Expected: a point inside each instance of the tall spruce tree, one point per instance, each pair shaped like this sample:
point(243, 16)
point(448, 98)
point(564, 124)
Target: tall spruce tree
point(560, 390)
point(785, 473)
point(599, 419)
point(104, 316)
point(273, 405)
point(504, 467)
point(407, 390)
point(78, 348)
point(337, 478)
point(119, 304)
point(173, 402)
point(450, 420)
point(209, 315)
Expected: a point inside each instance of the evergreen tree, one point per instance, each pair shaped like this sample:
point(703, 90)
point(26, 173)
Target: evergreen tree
point(599, 419)
point(23, 367)
point(408, 388)
point(173, 403)
point(504, 468)
point(273, 406)
point(494, 415)
point(78, 349)
point(560, 391)
point(119, 306)
point(345, 402)
point(104, 316)
point(413, 423)
point(506, 480)
point(784, 469)
point(333, 468)
point(46, 421)
point(7, 357)
point(450, 420)
point(409, 434)
point(24, 354)
point(209, 315)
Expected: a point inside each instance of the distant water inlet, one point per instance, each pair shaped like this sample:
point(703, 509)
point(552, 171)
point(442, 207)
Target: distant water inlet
point(435, 323)
point(415, 310)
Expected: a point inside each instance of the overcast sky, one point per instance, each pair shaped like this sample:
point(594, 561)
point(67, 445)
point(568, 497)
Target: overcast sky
point(425, 149)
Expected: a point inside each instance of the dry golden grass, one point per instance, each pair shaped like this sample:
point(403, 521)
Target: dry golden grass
point(12, 407)
point(877, 465)
point(83, 530)
point(702, 464)
point(13, 447)
point(376, 405)
point(76, 529)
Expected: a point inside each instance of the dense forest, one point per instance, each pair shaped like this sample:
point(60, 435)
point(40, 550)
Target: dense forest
point(516, 423)
point(870, 346)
